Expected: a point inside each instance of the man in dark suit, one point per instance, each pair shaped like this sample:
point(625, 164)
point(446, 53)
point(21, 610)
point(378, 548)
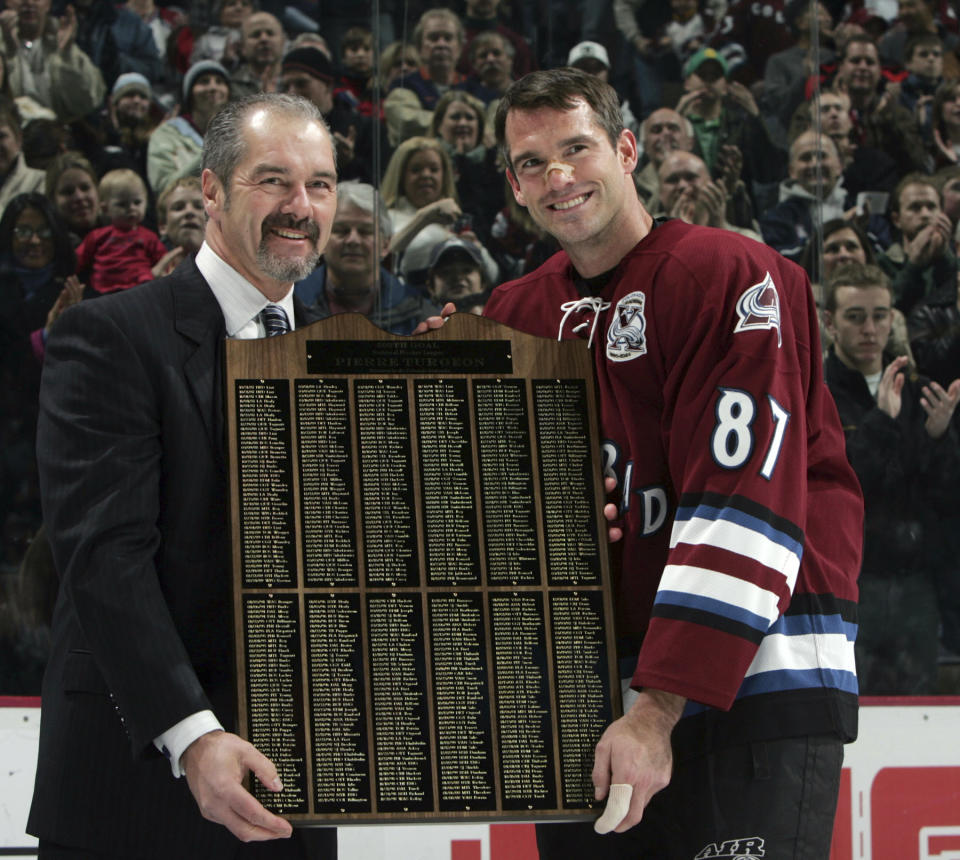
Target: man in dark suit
point(134, 489)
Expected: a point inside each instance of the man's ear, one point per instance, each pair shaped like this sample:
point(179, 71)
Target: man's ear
point(517, 193)
point(384, 246)
point(212, 190)
point(627, 150)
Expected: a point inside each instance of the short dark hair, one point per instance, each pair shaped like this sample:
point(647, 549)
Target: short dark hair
point(559, 89)
point(919, 40)
point(224, 145)
point(484, 38)
point(858, 39)
point(860, 275)
point(356, 37)
point(914, 178)
point(64, 258)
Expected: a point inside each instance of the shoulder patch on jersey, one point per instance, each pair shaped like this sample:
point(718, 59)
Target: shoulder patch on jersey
point(627, 335)
point(759, 308)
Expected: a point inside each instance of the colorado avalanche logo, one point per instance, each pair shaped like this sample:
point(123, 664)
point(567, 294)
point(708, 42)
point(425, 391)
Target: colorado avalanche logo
point(759, 308)
point(627, 335)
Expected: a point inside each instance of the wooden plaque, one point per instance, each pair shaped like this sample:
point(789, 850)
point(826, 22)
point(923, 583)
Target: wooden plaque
point(422, 607)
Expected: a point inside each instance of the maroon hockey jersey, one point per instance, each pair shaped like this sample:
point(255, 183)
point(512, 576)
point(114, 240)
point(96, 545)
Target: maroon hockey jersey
point(742, 517)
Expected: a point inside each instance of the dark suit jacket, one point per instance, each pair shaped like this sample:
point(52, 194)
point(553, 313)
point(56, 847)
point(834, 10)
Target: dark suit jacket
point(134, 491)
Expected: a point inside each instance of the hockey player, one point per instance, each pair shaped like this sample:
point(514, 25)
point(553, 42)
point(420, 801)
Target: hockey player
point(740, 517)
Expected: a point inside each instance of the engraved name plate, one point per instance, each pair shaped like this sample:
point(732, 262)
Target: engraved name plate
point(424, 627)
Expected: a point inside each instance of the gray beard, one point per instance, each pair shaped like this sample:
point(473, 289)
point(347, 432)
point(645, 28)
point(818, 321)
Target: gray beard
point(285, 268)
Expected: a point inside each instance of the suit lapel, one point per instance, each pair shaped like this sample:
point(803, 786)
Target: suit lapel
point(199, 320)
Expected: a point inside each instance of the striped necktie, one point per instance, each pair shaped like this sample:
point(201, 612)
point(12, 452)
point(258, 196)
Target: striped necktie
point(274, 319)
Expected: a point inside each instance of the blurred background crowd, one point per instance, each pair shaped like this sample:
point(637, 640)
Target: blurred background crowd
point(829, 130)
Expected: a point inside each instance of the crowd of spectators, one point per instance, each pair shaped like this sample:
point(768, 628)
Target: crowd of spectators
point(829, 130)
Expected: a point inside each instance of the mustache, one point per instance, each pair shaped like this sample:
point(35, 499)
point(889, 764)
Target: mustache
point(306, 225)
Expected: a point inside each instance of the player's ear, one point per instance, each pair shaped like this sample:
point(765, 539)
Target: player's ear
point(517, 193)
point(627, 150)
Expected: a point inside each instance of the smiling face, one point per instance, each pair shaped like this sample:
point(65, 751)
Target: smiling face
point(814, 164)
point(583, 203)
point(32, 240)
point(208, 94)
point(77, 200)
point(353, 251)
point(423, 177)
point(132, 107)
point(273, 222)
point(460, 125)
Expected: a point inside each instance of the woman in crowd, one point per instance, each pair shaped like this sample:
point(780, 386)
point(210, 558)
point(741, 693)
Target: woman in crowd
point(946, 124)
point(37, 264)
point(459, 121)
point(71, 185)
point(421, 196)
point(36, 284)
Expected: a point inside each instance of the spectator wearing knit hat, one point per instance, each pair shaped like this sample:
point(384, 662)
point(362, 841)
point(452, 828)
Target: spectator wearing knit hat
point(308, 72)
point(175, 146)
point(117, 137)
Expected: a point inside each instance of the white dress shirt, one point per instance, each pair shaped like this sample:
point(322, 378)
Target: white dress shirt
point(241, 303)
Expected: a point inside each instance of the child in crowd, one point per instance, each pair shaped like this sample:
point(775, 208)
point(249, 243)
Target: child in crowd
point(356, 82)
point(123, 254)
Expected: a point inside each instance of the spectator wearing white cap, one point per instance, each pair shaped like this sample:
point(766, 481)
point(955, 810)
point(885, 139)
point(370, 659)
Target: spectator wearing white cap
point(592, 58)
point(175, 146)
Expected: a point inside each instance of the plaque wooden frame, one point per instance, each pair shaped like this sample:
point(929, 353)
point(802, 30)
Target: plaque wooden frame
point(422, 599)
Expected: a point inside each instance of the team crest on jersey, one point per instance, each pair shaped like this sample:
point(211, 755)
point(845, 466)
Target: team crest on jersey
point(759, 308)
point(733, 849)
point(627, 335)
